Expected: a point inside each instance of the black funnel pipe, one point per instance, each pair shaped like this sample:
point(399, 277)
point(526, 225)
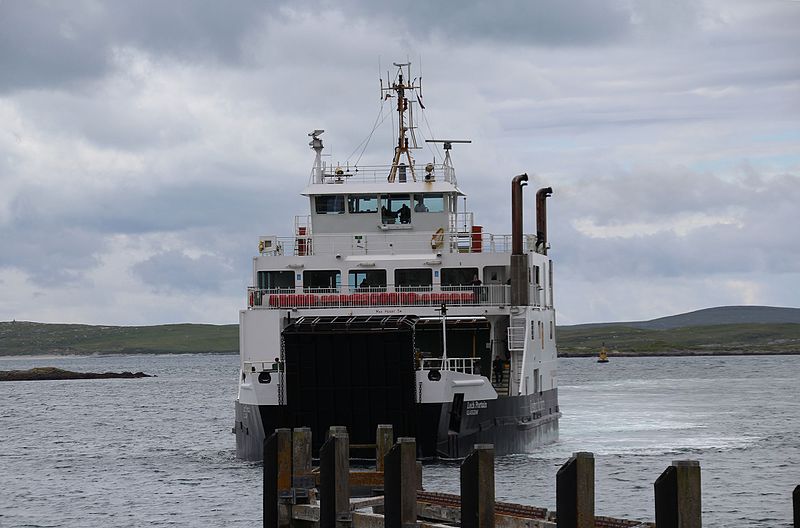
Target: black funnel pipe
point(520, 285)
point(517, 183)
point(541, 218)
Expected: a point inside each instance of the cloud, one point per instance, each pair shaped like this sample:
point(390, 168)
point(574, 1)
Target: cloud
point(51, 44)
point(144, 148)
point(548, 22)
point(174, 270)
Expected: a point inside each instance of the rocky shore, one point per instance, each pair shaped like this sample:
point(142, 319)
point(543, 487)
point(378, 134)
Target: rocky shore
point(52, 373)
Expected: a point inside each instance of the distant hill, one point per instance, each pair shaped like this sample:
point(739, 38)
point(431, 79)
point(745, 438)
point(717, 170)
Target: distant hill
point(722, 330)
point(26, 338)
point(721, 315)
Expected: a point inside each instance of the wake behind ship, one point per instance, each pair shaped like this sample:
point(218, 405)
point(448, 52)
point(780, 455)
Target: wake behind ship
point(390, 305)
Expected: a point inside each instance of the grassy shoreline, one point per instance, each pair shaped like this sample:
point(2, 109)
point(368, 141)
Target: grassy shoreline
point(26, 339)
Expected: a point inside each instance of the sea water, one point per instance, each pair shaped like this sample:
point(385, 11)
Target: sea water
point(160, 452)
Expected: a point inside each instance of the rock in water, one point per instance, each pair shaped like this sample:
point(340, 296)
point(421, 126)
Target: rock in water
point(52, 373)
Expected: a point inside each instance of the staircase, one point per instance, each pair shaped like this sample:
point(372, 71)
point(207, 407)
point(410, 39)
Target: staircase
point(516, 333)
point(516, 345)
point(502, 387)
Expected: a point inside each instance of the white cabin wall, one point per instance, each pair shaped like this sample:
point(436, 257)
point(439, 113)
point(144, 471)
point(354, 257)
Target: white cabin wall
point(259, 335)
point(540, 351)
point(384, 260)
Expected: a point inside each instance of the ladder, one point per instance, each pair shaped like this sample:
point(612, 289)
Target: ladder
point(516, 333)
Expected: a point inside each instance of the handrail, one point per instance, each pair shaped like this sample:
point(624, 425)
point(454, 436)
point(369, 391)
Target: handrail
point(378, 296)
point(380, 173)
point(396, 242)
point(467, 365)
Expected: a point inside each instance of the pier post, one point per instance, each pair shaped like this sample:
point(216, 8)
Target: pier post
point(283, 438)
point(334, 430)
point(477, 488)
point(796, 503)
point(384, 438)
point(677, 494)
point(270, 515)
point(575, 492)
point(302, 478)
point(334, 466)
point(400, 485)
point(283, 475)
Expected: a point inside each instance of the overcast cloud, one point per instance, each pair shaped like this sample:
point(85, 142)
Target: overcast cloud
point(145, 146)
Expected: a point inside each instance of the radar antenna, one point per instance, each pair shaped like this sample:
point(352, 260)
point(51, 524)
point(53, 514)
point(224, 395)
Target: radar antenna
point(447, 145)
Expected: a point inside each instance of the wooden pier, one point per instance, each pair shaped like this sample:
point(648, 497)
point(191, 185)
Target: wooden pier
point(298, 496)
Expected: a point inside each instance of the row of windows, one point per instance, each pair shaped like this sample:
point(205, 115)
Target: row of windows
point(372, 278)
point(394, 208)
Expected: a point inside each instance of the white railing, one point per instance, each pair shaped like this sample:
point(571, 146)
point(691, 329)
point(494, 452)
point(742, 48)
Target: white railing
point(380, 173)
point(379, 296)
point(399, 243)
point(261, 366)
point(457, 364)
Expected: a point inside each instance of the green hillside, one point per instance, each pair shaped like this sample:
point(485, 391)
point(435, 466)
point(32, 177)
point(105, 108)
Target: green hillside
point(719, 315)
point(724, 330)
point(25, 338)
point(748, 338)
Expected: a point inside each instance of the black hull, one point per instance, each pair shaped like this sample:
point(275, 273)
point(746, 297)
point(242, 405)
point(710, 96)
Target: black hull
point(515, 424)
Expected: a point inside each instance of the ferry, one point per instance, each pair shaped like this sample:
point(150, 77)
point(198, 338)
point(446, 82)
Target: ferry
point(389, 304)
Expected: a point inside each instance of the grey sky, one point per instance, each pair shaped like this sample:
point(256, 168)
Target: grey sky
point(145, 146)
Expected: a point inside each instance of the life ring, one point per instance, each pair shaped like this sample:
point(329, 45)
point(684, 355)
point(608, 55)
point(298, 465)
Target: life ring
point(437, 239)
point(252, 297)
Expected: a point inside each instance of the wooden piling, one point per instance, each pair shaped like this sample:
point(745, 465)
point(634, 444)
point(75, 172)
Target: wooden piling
point(284, 462)
point(384, 438)
point(283, 445)
point(334, 480)
point(400, 484)
point(335, 429)
point(575, 492)
point(796, 503)
point(477, 488)
point(677, 496)
point(302, 478)
point(270, 507)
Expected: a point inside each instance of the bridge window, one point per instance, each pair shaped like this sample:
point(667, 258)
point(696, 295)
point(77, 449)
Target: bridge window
point(321, 280)
point(367, 203)
point(421, 278)
point(458, 276)
point(429, 203)
point(276, 280)
point(333, 204)
point(374, 279)
point(396, 209)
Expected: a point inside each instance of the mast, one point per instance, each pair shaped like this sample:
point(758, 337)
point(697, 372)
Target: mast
point(316, 145)
point(402, 148)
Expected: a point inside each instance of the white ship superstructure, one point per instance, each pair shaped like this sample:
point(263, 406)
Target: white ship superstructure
point(388, 304)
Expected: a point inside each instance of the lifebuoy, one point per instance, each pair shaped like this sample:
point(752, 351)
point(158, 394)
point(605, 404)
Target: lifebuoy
point(437, 239)
point(251, 299)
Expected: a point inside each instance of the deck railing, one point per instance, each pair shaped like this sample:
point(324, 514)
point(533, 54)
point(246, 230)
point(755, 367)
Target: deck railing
point(458, 364)
point(397, 243)
point(378, 296)
point(380, 173)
